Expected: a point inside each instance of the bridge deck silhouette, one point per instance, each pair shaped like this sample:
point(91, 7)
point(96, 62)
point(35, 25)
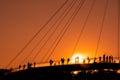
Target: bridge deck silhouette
point(60, 72)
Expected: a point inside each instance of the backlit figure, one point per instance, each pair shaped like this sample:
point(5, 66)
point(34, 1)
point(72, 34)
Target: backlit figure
point(77, 60)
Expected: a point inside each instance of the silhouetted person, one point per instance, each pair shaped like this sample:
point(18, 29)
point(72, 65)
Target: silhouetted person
point(68, 60)
point(34, 64)
point(29, 65)
point(104, 58)
point(83, 61)
point(88, 60)
point(24, 66)
point(54, 64)
point(110, 59)
point(62, 60)
point(51, 62)
point(77, 60)
point(20, 67)
point(100, 59)
point(58, 62)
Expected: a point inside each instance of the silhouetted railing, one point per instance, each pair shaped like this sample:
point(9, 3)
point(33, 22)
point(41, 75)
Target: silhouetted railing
point(68, 61)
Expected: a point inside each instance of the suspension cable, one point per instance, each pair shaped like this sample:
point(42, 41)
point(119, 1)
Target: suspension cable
point(36, 34)
point(101, 29)
point(67, 26)
point(83, 27)
point(118, 46)
point(68, 9)
point(57, 37)
point(56, 27)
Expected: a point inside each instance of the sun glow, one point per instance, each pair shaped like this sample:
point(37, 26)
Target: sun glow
point(77, 58)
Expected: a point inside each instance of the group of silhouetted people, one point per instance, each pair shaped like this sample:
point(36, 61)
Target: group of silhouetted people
point(28, 66)
point(62, 61)
point(103, 59)
point(107, 59)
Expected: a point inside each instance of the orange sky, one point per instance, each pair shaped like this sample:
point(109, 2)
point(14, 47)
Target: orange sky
point(21, 19)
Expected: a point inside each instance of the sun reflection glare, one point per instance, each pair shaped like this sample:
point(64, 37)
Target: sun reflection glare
point(75, 72)
point(118, 71)
point(77, 58)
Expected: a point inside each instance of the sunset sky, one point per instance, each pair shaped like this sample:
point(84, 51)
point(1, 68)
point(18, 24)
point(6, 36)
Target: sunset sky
point(21, 19)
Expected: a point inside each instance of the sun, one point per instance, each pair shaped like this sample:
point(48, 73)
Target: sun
point(77, 58)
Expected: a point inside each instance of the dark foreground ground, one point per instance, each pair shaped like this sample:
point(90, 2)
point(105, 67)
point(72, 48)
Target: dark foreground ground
point(62, 73)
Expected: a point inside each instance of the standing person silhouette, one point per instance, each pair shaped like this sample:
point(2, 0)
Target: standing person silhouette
point(104, 58)
point(51, 62)
point(62, 60)
point(68, 60)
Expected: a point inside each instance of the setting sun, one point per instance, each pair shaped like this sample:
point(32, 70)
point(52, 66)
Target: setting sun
point(77, 58)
